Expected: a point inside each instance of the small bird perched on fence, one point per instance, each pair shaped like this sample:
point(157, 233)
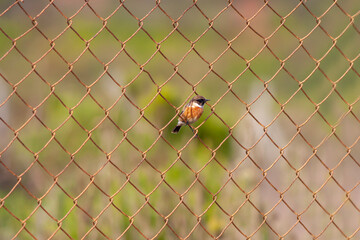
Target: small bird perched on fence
point(191, 112)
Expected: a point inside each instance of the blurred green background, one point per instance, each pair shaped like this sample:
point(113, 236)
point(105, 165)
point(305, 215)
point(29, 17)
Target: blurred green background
point(89, 93)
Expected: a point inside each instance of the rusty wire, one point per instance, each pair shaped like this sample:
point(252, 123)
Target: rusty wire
point(229, 227)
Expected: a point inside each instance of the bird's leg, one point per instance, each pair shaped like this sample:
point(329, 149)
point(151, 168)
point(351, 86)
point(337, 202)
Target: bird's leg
point(191, 128)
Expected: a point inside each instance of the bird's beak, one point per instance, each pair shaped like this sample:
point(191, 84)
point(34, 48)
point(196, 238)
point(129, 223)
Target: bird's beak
point(206, 100)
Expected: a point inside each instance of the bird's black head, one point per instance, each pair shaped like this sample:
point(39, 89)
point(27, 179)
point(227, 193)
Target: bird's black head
point(200, 100)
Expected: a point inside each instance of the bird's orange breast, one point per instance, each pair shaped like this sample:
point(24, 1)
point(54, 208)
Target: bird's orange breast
point(191, 114)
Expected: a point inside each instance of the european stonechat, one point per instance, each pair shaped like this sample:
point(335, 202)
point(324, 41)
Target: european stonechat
point(191, 112)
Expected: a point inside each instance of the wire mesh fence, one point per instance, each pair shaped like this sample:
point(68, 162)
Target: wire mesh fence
point(90, 91)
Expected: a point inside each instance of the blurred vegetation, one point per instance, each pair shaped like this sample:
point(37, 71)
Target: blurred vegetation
point(99, 152)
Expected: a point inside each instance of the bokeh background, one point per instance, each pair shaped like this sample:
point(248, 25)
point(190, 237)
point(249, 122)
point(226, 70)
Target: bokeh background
point(90, 91)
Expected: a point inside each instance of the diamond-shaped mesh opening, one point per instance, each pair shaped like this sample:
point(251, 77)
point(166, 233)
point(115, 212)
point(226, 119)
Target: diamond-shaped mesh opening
point(33, 82)
point(347, 181)
point(253, 219)
point(62, 41)
point(17, 153)
point(315, 210)
point(8, 26)
point(90, 91)
point(12, 74)
point(291, 197)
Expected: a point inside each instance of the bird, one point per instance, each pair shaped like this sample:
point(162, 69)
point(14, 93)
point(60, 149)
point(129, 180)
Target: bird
point(191, 112)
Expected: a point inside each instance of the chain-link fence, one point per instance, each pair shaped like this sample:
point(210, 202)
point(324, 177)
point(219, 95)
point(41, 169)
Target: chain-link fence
point(90, 91)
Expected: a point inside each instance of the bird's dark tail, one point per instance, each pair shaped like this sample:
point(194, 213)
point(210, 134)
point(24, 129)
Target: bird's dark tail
point(176, 129)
